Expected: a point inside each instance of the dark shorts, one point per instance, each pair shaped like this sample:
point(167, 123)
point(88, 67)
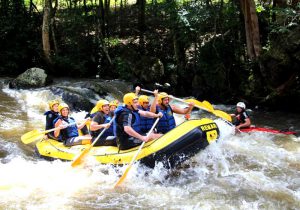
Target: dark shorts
point(85, 130)
point(132, 142)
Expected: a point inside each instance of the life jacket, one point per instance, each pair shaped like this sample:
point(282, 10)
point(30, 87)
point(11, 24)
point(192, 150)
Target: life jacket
point(146, 122)
point(136, 125)
point(123, 139)
point(68, 132)
point(167, 122)
point(107, 132)
point(241, 117)
point(50, 117)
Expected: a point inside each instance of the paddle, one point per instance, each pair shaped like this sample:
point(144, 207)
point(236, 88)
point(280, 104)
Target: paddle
point(34, 135)
point(78, 159)
point(134, 157)
point(205, 105)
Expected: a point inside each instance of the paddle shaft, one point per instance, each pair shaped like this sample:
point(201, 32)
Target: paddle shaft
point(36, 134)
point(135, 156)
point(100, 134)
point(54, 129)
point(205, 105)
point(177, 99)
point(78, 158)
point(151, 130)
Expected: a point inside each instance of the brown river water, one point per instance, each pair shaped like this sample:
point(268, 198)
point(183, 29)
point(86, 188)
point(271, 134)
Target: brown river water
point(244, 171)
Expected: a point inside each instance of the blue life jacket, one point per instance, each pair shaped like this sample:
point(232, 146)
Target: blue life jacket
point(107, 132)
point(110, 130)
point(167, 122)
point(68, 132)
point(146, 122)
point(50, 117)
point(136, 117)
point(124, 140)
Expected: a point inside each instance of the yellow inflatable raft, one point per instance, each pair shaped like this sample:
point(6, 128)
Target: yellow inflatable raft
point(172, 148)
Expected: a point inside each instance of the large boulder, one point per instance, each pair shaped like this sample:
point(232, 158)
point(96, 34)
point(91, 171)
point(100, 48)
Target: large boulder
point(31, 78)
point(83, 95)
point(77, 98)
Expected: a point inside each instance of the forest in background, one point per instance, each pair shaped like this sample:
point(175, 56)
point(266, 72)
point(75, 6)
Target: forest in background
point(219, 50)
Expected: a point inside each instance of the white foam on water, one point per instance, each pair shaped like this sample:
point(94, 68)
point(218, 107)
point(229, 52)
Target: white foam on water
point(43, 184)
point(33, 102)
point(243, 171)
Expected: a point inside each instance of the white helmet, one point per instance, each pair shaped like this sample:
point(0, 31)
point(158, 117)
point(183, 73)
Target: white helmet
point(241, 105)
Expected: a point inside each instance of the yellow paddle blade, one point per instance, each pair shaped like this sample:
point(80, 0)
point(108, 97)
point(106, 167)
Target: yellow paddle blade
point(134, 158)
point(197, 103)
point(95, 109)
point(78, 160)
point(208, 106)
point(223, 115)
point(32, 136)
point(123, 177)
point(5, 187)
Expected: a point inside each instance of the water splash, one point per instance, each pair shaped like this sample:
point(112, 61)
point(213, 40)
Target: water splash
point(244, 171)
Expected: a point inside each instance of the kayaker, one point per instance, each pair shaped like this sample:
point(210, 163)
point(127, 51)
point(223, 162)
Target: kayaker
point(242, 119)
point(127, 127)
point(101, 121)
point(69, 134)
point(161, 104)
point(51, 115)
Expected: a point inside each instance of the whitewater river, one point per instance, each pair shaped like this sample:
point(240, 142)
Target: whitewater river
point(244, 171)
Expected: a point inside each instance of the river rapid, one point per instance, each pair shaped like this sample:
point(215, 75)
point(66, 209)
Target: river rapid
point(243, 171)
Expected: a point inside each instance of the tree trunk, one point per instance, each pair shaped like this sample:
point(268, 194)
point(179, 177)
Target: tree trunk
point(141, 20)
point(178, 45)
point(251, 28)
point(100, 40)
point(55, 45)
point(121, 18)
point(85, 8)
point(33, 7)
point(102, 16)
point(45, 30)
point(179, 53)
point(107, 16)
point(52, 25)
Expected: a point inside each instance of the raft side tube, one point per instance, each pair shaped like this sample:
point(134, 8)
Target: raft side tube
point(183, 148)
point(173, 147)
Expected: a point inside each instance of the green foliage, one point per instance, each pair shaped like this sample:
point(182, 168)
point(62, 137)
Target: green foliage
point(259, 8)
point(193, 39)
point(112, 41)
point(18, 38)
point(123, 68)
point(286, 18)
